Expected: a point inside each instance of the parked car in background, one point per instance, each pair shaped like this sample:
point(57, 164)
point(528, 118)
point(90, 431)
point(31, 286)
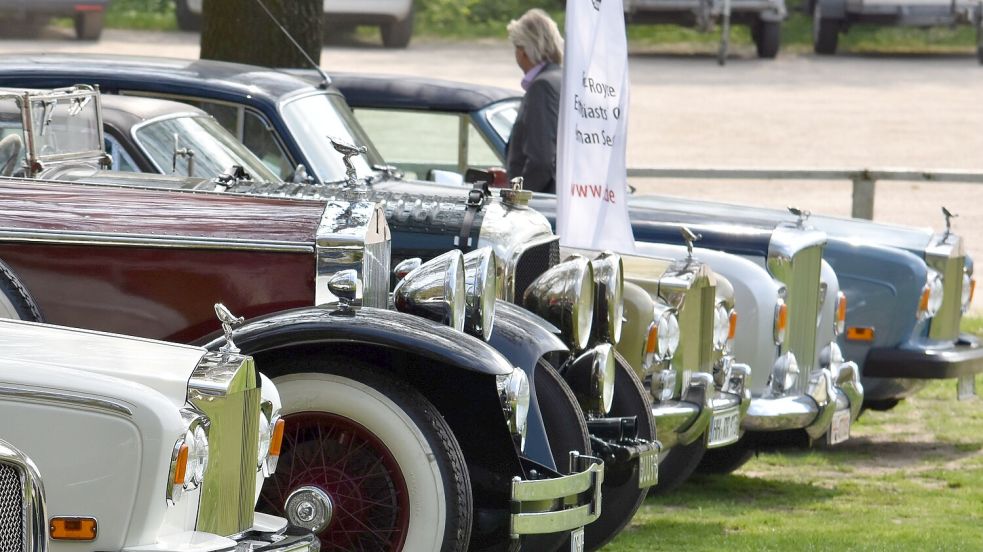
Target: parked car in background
point(906, 288)
point(32, 15)
point(25, 513)
point(141, 443)
point(393, 17)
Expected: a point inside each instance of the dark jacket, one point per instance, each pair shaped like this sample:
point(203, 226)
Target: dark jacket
point(531, 152)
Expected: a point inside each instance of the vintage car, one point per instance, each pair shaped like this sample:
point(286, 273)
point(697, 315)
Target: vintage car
point(23, 506)
point(394, 17)
point(423, 224)
point(145, 445)
point(883, 270)
point(441, 418)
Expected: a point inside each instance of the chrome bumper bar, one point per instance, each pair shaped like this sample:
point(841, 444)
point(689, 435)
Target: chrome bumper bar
point(268, 534)
point(684, 421)
point(560, 503)
point(829, 390)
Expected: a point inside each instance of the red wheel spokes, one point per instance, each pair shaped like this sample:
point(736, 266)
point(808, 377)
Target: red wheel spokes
point(358, 472)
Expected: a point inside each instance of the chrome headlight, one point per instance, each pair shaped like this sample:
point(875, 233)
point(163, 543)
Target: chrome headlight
point(435, 290)
point(609, 310)
point(830, 356)
point(564, 296)
point(270, 439)
point(513, 389)
point(784, 374)
point(591, 377)
point(481, 282)
point(189, 458)
point(969, 288)
point(932, 294)
point(663, 338)
point(721, 326)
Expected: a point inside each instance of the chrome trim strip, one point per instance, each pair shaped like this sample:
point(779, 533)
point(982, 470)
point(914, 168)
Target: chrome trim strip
point(139, 240)
point(80, 401)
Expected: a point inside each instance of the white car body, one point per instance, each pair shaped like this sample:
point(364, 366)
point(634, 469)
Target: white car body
point(100, 415)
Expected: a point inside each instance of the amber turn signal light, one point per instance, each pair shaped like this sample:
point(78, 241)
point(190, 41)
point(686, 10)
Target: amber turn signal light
point(840, 312)
point(73, 528)
point(276, 441)
point(652, 342)
point(857, 333)
point(181, 470)
point(733, 325)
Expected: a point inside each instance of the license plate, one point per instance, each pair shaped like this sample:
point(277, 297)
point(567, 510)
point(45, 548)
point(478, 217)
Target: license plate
point(966, 387)
point(725, 428)
point(577, 540)
point(648, 468)
point(839, 430)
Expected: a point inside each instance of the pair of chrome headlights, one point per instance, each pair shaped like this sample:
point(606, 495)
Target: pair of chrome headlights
point(583, 298)
point(453, 289)
point(189, 457)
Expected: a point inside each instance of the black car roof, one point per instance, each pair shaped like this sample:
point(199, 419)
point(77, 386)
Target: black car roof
point(123, 71)
point(392, 91)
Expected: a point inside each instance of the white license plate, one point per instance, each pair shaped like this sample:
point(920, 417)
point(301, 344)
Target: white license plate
point(725, 428)
point(577, 540)
point(648, 468)
point(839, 430)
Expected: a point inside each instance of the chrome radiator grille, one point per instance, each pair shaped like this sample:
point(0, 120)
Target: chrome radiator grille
point(945, 324)
point(803, 310)
point(375, 274)
point(532, 262)
point(12, 530)
point(695, 353)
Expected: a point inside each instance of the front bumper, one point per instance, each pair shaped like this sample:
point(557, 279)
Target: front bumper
point(682, 422)
point(268, 534)
point(963, 358)
point(560, 503)
point(830, 390)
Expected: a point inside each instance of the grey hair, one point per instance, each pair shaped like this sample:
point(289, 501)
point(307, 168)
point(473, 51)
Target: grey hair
point(537, 34)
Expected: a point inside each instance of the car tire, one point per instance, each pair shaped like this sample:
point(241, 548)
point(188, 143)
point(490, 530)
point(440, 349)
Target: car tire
point(621, 496)
point(727, 459)
point(825, 32)
point(678, 465)
point(397, 34)
point(88, 25)
point(767, 38)
point(566, 430)
point(880, 405)
point(187, 20)
point(15, 301)
point(331, 403)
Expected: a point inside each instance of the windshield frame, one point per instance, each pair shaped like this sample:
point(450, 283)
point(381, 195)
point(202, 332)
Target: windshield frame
point(135, 136)
point(372, 156)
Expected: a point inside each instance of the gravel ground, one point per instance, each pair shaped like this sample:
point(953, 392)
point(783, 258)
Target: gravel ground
point(797, 111)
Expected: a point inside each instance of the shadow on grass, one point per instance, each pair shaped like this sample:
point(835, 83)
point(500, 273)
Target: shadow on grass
point(866, 452)
point(719, 490)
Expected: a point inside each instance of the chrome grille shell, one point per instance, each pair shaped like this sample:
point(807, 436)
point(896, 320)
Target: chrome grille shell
point(947, 255)
point(523, 243)
point(354, 235)
point(23, 513)
point(226, 387)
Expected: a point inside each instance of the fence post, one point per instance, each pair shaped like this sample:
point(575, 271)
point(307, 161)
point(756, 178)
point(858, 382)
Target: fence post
point(863, 198)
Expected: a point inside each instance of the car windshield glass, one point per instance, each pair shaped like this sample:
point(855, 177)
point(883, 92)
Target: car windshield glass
point(313, 120)
point(170, 143)
point(501, 117)
point(67, 125)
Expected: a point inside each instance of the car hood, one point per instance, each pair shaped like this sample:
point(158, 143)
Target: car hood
point(161, 366)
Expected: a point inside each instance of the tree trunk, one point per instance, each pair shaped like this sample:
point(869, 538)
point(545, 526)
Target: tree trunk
point(241, 31)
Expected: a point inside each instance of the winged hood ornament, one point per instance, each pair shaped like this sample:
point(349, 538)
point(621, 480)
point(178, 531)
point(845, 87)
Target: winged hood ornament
point(229, 323)
point(948, 223)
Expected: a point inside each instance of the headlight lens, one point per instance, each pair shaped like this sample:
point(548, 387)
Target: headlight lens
point(513, 389)
point(969, 288)
point(609, 307)
point(564, 296)
point(663, 338)
point(480, 285)
point(591, 377)
point(784, 374)
point(435, 290)
point(932, 295)
point(189, 458)
point(721, 326)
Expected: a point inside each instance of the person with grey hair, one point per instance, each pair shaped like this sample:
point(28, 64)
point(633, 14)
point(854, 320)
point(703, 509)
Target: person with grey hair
point(531, 151)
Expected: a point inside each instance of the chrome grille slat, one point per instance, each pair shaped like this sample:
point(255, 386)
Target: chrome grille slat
point(12, 512)
point(376, 265)
point(945, 324)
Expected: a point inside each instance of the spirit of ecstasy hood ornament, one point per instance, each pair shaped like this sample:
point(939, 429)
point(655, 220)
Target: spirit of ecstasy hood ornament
point(948, 223)
point(229, 322)
point(348, 151)
point(801, 213)
point(689, 237)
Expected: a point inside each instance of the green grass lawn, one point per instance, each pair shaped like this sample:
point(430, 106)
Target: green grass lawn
point(908, 479)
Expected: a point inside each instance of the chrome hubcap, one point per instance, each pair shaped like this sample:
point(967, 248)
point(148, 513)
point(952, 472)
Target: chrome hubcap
point(310, 508)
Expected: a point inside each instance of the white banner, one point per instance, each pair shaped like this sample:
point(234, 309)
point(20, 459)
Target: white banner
point(591, 181)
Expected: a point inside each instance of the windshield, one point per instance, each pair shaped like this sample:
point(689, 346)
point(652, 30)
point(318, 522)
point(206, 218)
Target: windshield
point(66, 125)
point(313, 120)
point(171, 143)
point(502, 116)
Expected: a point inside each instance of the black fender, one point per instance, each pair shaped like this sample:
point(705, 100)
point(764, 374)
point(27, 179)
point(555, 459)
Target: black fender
point(523, 338)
